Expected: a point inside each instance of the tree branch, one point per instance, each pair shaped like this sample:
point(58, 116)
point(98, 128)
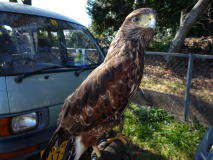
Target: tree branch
point(187, 23)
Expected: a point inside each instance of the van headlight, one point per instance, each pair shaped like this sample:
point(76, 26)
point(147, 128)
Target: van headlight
point(24, 122)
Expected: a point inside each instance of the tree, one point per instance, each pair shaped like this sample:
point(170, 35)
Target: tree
point(204, 24)
point(111, 13)
point(138, 3)
point(107, 16)
point(186, 22)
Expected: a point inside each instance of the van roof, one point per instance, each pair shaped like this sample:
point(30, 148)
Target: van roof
point(26, 9)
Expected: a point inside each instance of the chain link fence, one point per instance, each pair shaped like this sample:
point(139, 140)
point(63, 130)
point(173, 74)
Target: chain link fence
point(180, 83)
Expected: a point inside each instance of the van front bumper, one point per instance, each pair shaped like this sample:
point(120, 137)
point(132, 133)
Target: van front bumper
point(27, 145)
point(15, 145)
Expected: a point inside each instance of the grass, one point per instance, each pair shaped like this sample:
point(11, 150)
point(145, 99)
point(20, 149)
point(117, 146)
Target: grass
point(156, 131)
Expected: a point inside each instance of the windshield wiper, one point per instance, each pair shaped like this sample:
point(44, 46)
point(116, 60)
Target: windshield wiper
point(83, 68)
point(19, 78)
point(80, 69)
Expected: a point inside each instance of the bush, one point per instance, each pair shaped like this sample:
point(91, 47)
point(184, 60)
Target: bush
point(161, 41)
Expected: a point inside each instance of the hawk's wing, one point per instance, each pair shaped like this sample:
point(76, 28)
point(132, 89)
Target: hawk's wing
point(104, 93)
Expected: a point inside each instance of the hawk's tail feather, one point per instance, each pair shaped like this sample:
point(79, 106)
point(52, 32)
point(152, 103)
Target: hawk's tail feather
point(51, 143)
point(58, 136)
point(69, 153)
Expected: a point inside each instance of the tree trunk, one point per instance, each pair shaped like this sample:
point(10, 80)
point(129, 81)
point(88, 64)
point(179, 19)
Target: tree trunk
point(187, 20)
point(16, 1)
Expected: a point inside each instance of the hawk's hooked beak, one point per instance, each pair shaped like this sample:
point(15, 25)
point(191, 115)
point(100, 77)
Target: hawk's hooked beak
point(148, 21)
point(152, 23)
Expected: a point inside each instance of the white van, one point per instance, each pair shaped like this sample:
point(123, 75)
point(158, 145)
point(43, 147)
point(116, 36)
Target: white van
point(44, 56)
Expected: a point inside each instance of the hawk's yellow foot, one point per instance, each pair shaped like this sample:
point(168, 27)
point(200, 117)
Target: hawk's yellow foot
point(97, 151)
point(120, 137)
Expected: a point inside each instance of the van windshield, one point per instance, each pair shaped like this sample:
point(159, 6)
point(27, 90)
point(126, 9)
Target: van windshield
point(29, 43)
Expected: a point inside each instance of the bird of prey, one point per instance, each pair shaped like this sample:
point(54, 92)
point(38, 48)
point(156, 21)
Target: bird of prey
point(97, 105)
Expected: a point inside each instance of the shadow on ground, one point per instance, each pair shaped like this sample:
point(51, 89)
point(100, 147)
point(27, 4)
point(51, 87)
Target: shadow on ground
point(199, 111)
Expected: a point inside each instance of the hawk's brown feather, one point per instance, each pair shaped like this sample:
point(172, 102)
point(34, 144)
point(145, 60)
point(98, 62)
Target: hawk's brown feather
point(98, 104)
point(105, 91)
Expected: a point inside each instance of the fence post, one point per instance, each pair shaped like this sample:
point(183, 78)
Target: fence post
point(188, 86)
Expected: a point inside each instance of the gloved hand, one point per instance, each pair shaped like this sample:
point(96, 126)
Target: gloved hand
point(110, 151)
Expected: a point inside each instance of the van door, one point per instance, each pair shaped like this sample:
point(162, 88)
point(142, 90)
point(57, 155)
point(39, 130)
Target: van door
point(42, 90)
point(4, 106)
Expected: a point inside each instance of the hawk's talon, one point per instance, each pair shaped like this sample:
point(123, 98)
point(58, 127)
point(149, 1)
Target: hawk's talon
point(96, 155)
point(120, 137)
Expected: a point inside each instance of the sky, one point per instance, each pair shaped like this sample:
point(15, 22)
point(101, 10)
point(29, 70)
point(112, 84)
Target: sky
point(75, 9)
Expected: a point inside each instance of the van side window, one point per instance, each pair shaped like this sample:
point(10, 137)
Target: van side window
point(80, 49)
point(48, 46)
point(30, 43)
point(6, 44)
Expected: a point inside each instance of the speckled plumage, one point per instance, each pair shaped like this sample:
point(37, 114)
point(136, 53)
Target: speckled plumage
point(98, 103)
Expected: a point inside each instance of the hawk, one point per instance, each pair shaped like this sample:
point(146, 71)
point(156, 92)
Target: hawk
point(97, 105)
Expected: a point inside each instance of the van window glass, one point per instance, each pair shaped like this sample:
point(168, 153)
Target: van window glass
point(29, 43)
point(81, 50)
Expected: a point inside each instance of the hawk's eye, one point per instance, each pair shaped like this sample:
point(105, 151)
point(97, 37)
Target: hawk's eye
point(135, 19)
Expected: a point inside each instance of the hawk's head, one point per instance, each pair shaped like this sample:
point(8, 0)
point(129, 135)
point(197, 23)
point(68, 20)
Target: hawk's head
point(140, 23)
